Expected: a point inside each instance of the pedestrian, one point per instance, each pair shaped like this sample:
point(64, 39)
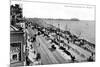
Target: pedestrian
point(38, 57)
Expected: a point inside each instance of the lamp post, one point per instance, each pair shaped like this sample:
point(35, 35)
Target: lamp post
point(58, 30)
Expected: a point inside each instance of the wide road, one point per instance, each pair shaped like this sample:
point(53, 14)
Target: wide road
point(47, 56)
point(57, 56)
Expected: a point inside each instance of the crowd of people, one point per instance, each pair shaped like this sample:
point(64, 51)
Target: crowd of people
point(33, 57)
point(57, 33)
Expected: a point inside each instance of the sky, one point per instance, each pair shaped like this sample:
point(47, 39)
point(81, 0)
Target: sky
point(57, 11)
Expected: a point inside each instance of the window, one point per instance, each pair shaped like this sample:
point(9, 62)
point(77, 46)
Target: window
point(15, 52)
